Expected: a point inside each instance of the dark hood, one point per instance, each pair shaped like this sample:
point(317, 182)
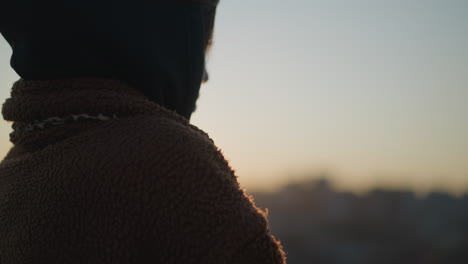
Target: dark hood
point(157, 47)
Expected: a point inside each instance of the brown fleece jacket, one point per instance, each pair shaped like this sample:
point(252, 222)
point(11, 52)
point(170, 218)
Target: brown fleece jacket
point(145, 187)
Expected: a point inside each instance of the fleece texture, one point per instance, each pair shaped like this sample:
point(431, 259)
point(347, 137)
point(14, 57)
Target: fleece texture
point(146, 187)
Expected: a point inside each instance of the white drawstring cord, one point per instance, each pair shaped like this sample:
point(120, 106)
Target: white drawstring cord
point(55, 121)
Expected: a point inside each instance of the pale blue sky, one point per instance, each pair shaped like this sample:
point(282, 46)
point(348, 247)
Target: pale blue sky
point(373, 91)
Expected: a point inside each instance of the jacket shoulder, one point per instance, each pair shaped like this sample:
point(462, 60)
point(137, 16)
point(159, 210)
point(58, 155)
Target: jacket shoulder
point(149, 145)
point(188, 187)
point(157, 137)
point(176, 184)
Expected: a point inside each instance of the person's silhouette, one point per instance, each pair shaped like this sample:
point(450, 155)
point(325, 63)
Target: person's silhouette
point(106, 167)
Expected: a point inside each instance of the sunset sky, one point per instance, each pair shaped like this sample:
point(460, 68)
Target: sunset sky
point(373, 92)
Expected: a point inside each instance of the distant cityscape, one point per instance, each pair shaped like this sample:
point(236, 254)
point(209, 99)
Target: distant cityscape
point(318, 224)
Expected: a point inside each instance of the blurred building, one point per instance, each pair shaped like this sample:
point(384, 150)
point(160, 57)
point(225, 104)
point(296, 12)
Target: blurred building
point(320, 225)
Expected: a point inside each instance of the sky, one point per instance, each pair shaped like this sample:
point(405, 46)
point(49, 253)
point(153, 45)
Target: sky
point(369, 92)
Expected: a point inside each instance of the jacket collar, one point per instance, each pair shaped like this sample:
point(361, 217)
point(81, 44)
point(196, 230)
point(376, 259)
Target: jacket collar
point(35, 101)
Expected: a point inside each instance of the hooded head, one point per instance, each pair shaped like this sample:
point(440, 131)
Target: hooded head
point(156, 46)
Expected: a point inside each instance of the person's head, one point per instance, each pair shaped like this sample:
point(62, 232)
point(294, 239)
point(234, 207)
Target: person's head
point(157, 46)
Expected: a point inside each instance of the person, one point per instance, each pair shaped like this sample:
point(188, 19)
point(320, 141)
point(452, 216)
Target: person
point(105, 165)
